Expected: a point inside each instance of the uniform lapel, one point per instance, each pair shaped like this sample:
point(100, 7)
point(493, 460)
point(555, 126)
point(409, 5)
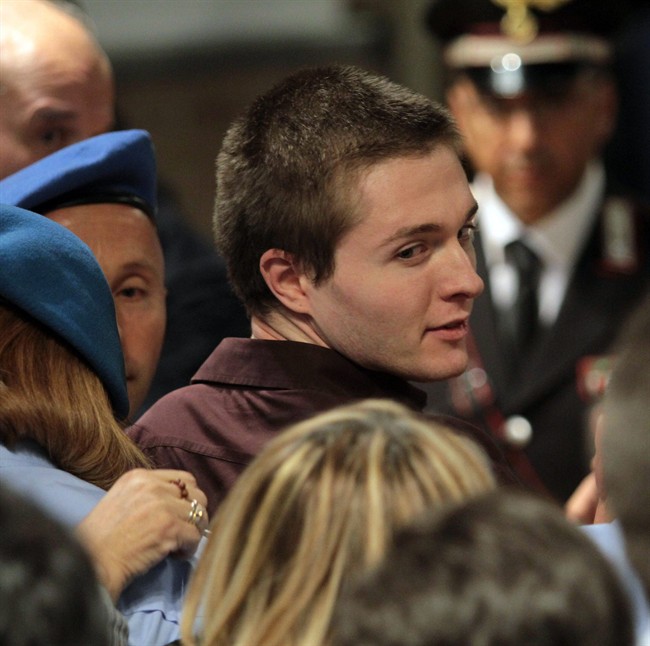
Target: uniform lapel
point(484, 329)
point(587, 322)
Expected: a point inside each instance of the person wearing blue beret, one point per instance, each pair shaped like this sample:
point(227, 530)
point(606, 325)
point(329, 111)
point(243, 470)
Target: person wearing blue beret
point(104, 190)
point(62, 390)
point(58, 89)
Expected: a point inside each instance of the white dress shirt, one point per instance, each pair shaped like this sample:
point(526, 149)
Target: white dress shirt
point(558, 239)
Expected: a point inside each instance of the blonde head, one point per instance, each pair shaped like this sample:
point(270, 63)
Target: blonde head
point(320, 503)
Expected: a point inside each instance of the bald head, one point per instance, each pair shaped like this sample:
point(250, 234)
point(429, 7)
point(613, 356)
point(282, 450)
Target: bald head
point(56, 83)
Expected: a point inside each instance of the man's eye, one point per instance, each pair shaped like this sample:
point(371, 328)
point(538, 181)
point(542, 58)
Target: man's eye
point(468, 233)
point(131, 293)
point(410, 252)
point(54, 138)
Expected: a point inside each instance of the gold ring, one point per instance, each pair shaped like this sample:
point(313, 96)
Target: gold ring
point(198, 516)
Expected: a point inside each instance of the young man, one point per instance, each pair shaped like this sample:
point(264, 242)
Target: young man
point(104, 190)
point(346, 221)
point(564, 257)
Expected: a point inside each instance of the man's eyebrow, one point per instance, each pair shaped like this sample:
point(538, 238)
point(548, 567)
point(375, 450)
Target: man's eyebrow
point(429, 227)
point(407, 232)
point(138, 266)
point(47, 113)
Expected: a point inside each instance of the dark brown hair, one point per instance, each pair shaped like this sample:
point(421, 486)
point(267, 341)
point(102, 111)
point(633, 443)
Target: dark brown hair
point(504, 568)
point(287, 169)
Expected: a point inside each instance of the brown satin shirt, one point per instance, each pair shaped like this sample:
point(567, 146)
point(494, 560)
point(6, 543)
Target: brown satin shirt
point(242, 396)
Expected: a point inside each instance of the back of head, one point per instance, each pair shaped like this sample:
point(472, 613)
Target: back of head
point(504, 569)
point(49, 593)
point(320, 502)
point(287, 168)
point(626, 437)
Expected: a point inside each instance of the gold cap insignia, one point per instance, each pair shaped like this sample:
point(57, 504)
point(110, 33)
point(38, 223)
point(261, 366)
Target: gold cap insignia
point(519, 23)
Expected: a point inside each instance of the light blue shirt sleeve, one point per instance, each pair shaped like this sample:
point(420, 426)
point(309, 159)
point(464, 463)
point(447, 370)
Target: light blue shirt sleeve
point(608, 537)
point(151, 603)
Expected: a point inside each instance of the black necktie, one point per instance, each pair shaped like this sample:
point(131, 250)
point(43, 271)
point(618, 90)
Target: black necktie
point(522, 321)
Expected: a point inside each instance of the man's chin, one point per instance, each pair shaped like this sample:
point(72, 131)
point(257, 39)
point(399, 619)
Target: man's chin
point(440, 373)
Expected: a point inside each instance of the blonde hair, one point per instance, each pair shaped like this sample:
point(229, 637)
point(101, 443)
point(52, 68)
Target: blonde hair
point(320, 503)
point(49, 395)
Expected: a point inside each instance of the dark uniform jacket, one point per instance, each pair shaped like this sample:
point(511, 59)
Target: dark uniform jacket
point(551, 391)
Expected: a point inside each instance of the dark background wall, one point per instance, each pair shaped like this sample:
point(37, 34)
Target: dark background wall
point(186, 68)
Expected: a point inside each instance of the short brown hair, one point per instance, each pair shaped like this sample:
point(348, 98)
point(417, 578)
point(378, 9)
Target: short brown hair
point(287, 167)
point(504, 568)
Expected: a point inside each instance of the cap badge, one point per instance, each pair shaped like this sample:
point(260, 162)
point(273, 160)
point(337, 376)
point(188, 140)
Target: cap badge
point(519, 23)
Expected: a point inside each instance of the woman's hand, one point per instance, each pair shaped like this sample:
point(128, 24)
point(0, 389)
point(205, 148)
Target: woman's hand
point(144, 517)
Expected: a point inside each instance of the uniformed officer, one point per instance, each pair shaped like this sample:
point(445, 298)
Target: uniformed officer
point(564, 255)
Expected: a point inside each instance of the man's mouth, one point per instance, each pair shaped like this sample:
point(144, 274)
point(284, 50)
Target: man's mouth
point(454, 325)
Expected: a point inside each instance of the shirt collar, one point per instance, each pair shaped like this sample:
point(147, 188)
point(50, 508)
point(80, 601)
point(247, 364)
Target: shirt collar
point(557, 238)
point(257, 363)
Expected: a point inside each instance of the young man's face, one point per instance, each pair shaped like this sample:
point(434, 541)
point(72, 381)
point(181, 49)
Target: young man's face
point(404, 278)
point(126, 245)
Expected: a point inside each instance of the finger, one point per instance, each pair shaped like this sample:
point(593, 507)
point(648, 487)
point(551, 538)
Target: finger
point(581, 506)
point(183, 491)
point(197, 494)
point(194, 526)
point(174, 474)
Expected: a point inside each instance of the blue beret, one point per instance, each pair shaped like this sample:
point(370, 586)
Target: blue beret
point(50, 274)
point(117, 166)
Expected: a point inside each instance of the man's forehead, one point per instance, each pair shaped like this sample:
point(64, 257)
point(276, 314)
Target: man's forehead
point(387, 190)
point(81, 214)
point(122, 237)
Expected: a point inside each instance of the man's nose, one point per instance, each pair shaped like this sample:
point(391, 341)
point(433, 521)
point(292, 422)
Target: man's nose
point(524, 128)
point(462, 280)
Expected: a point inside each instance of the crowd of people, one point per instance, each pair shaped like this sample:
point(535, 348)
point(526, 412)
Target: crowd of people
point(389, 428)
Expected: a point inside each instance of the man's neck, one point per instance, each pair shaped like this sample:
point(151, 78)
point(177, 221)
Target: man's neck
point(283, 325)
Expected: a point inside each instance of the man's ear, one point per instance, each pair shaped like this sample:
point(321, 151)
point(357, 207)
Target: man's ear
point(285, 279)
